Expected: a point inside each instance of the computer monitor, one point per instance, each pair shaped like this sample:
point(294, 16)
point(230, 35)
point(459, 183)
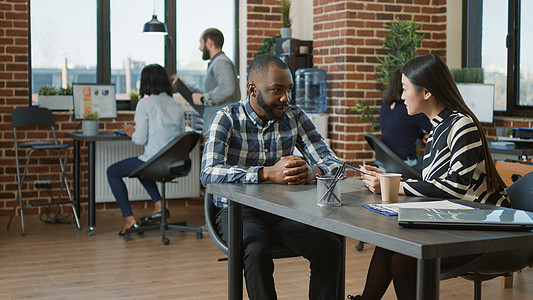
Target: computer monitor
point(480, 99)
point(94, 98)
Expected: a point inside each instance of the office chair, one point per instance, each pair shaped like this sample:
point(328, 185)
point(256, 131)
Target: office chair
point(391, 162)
point(277, 251)
point(166, 165)
point(492, 265)
point(38, 116)
point(210, 213)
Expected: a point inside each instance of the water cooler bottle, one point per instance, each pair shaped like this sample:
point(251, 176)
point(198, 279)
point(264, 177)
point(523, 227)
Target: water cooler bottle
point(311, 96)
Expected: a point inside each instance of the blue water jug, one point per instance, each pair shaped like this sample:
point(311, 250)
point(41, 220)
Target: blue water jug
point(311, 90)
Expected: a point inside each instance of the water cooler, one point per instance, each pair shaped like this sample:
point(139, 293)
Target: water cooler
point(311, 96)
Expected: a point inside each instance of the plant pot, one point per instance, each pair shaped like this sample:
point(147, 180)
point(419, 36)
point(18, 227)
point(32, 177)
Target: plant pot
point(56, 102)
point(286, 33)
point(89, 127)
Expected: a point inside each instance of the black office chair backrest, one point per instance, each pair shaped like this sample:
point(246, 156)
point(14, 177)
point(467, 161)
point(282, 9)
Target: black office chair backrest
point(521, 193)
point(171, 161)
point(392, 162)
point(210, 213)
point(31, 116)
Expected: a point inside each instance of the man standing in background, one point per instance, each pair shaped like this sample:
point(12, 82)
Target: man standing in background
point(221, 85)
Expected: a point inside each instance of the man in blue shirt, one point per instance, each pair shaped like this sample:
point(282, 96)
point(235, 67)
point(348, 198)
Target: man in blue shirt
point(252, 141)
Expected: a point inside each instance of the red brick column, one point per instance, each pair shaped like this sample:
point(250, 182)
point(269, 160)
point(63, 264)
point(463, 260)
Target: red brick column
point(347, 41)
point(263, 20)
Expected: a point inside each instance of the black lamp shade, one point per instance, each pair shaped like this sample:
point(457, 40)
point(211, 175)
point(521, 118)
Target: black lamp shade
point(154, 26)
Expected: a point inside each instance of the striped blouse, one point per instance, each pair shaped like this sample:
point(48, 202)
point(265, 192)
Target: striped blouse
point(454, 163)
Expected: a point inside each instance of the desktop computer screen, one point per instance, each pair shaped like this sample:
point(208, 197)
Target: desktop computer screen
point(480, 99)
point(94, 98)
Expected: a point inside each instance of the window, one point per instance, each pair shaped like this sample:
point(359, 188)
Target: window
point(131, 50)
point(526, 57)
point(494, 51)
point(504, 53)
point(62, 54)
point(101, 41)
point(219, 14)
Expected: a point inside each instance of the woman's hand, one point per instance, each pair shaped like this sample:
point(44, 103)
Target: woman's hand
point(371, 178)
point(128, 129)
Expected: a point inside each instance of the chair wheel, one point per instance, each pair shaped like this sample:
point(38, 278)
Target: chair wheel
point(360, 246)
point(165, 241)
point(198, 235)
point(89, 232)
point(127, 237)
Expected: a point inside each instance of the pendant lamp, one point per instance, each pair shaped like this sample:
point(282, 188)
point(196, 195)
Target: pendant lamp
point(155, 27)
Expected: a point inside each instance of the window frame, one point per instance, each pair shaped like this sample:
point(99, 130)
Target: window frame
point(471, 52)
point(103, 41)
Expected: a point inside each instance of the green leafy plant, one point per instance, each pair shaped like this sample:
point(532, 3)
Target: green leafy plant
point(66, 91)
point(402, 43)
point(91, 116)
point(285, 8)
point(45, 90)
point(367, 114)
point(468, 75)
point(269, 45)
point(134, 96)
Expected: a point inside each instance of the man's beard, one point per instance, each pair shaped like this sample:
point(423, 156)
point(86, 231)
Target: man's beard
point(205, 54)
point(267, 109)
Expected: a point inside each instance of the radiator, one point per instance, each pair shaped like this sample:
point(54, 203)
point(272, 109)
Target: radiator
point(108, 153)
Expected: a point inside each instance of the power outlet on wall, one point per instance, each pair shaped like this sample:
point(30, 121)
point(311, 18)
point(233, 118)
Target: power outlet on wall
point(42, 184)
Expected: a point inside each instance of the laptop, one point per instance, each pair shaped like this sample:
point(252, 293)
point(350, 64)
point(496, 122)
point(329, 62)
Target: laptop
point(467, 219)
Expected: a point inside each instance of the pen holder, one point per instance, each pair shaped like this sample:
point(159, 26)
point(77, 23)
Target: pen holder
point(328, 191)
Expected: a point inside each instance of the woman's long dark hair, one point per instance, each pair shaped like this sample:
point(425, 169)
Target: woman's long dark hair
point(154, 81)
point(393, 92)
point(431, 72)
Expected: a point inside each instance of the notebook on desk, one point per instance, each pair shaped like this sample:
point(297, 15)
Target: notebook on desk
point(468, 219)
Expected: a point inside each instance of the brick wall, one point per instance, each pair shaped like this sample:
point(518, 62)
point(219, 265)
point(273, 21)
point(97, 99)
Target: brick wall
point(263, 20)
point(347, 41)
point(14, 93)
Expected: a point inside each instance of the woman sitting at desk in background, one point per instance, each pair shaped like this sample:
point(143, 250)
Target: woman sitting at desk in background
point(399, 130)
point(457, 164)
point(158, 118)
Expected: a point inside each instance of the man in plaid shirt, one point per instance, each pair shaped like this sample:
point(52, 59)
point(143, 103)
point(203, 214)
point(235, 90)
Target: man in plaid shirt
point(252, 141)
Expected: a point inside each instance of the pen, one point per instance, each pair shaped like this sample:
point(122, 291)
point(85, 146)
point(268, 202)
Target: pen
point(382, 209)
point(340, 162)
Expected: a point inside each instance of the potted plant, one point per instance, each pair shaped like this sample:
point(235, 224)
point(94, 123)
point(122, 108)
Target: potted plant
point(285, 8)
point(134, 99)
point(54, 98)
point(402, 43)
point(268, 46)
point(89, 124)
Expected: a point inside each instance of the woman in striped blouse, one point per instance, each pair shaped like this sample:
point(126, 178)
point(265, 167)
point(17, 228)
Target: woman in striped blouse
point(457, 164)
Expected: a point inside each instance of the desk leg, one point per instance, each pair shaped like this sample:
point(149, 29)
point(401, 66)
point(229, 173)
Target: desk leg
point(342, 278)
point(77, 177)
point(235, 251)
point(428, 277)
point(91, 188)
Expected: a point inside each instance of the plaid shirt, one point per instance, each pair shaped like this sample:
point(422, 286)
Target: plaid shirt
point(239, 144)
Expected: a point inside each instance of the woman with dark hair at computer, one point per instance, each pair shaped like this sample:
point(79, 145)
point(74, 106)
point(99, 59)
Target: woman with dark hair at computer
point(158, 119)
point(399, 130)
point(457, 164)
